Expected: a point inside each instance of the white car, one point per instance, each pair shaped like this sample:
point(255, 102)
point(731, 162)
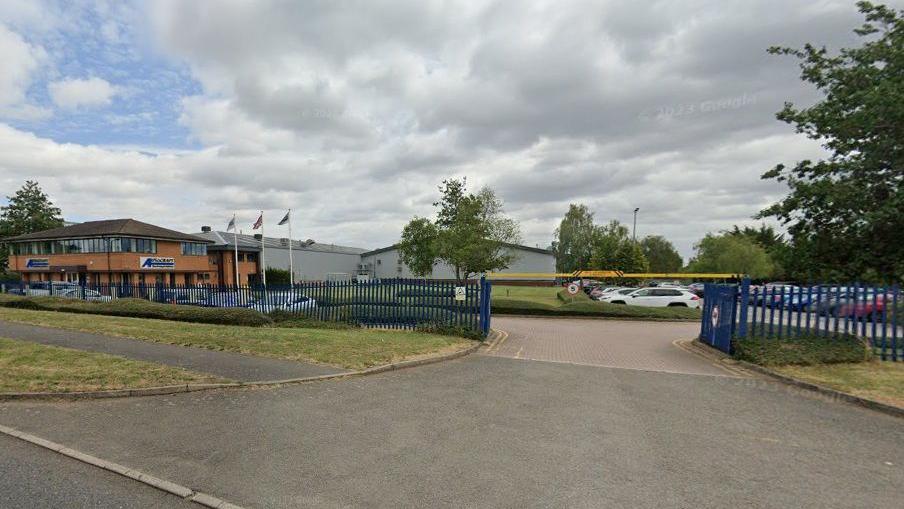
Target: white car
point(285, 302)
point(617, 294)
point(660, 298)
point(84, 294)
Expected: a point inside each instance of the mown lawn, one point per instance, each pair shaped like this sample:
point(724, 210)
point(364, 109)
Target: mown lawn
point(544, 301)
point(31, 367)
point(346, 348)
point(879, 380)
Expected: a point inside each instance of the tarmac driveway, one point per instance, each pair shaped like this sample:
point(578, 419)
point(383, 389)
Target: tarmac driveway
point(610, 343)
point(489, 431)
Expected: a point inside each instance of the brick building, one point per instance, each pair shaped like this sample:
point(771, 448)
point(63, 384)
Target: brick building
point(124, 251)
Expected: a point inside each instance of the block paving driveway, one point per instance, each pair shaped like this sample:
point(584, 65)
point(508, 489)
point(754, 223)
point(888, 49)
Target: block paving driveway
point(499, 431)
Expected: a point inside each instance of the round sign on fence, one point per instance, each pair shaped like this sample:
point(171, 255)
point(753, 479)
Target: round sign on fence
point(573, 288)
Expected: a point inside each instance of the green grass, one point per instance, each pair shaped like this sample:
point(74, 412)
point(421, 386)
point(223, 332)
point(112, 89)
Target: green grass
point(554, 301)
point(877, 380)
point(31, 367)
point(347, 348)
point(801, 351)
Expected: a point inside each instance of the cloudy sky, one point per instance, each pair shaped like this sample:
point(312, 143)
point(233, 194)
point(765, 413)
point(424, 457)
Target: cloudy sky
point(352, 112)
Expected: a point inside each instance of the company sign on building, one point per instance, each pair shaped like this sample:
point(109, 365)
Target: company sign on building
point(37, 263)
point(156, 263)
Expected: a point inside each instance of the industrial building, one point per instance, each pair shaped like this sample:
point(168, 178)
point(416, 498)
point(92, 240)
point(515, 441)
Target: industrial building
point(311, 261)
point(387, 263)
point(123, 251)
point(126, 251)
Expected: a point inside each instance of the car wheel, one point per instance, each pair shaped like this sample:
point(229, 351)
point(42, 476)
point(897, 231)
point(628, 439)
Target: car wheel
point(617, 302)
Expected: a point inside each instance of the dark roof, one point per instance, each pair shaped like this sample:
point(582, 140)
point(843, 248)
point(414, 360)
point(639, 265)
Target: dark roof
point(513, 246)
point(225, 241)
point(106, 228)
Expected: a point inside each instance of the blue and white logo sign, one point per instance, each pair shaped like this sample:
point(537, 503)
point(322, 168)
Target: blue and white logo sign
point(155, 262)
point(37, 263)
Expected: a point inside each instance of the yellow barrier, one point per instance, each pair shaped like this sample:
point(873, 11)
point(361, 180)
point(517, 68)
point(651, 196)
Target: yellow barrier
point(612, 274)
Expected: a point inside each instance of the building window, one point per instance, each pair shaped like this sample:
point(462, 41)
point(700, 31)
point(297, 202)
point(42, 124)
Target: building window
point(241, 257)
point(194, 249)
point(251, 257)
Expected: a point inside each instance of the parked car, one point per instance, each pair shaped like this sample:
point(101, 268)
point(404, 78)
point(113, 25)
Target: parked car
point(284, 301)
point(865, 307)
point(619, 294)
point(697, 288)
point(599, 291)
point(660, 297)
point(83, 294)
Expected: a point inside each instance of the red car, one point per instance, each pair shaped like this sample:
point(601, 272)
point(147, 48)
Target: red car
point(867, 306)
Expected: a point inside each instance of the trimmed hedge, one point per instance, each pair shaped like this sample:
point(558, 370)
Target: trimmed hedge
point(803, 351)
point(138, 308)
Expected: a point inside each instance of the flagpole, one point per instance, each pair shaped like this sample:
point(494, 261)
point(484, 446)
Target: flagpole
point(263, 253)
point(235, 237)
point(291, 272)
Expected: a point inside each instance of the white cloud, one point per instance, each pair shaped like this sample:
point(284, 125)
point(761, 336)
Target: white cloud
point(353, 116)
point(19, 61)
point(73, 93)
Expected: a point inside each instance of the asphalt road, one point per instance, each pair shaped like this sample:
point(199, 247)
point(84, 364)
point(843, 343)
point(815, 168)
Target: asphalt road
point(488, 431)
point(32, 478)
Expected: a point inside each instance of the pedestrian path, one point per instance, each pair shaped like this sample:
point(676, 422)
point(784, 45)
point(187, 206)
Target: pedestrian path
point(234, 366)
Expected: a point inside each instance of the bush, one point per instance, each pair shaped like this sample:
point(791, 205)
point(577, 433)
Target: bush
point(138, 308)
point(291, 320)
point(449, 330)
point(803, 351)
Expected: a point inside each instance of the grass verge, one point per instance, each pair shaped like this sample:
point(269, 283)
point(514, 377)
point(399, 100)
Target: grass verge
point(878, 380)
point(549, 301)
point(347, 348)
point(801, 351)
point(31, 367)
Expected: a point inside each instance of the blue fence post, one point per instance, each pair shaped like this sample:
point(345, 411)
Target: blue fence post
point(485, 289)
point(743, 303)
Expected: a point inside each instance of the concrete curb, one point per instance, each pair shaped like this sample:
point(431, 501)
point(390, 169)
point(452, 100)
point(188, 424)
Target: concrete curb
point(825, 391)
point(177, 389)
point(136, 475)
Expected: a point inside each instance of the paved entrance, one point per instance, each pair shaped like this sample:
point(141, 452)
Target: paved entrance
point(647, 346)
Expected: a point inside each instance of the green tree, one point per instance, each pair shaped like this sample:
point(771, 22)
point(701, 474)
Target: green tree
point(731, 254)
point(28, 211)
point(844, 212)
point(661, 254)
point(471, 234)
point(613, 249)
point(277, 276)
point(574, 239)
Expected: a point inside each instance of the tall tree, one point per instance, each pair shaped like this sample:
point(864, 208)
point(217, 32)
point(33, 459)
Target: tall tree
point(471, 234)
point(28, 211)
point(661, 254)
point(613, 249)
point(574, 239)
point(731, 254)
point(844, 212)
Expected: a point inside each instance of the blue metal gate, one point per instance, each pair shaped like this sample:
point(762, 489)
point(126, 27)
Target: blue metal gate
point(718, 324)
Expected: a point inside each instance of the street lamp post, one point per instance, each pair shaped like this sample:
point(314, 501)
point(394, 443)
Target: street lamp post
point(634, 230)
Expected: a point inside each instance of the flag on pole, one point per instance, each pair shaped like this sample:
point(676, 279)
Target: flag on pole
point(231, 225)
point(284, 220)
point(260, 222)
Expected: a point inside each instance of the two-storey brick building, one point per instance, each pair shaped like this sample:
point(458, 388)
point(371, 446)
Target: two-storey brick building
point(119, 251)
